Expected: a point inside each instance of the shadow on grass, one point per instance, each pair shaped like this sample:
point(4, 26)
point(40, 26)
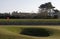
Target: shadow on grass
point(38, 32)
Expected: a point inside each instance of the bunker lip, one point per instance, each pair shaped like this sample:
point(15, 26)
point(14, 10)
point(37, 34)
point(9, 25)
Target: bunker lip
point(37, 32)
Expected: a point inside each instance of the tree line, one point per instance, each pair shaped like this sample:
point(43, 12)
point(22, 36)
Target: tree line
point(45, 11)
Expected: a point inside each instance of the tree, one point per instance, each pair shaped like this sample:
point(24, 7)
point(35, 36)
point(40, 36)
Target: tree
point(46, 8)
point(56, 14)
point(15, 14)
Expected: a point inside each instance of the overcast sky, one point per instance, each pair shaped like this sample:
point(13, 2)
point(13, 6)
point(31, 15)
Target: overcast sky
point(25, 5)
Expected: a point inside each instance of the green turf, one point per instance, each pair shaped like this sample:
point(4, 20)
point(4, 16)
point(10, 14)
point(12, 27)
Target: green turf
point(30, 20)
point(12, 32)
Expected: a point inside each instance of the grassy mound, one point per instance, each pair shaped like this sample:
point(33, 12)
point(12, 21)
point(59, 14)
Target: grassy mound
point(13, 32)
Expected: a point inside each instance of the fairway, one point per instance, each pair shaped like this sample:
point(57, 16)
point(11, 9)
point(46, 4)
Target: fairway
point(13, 31)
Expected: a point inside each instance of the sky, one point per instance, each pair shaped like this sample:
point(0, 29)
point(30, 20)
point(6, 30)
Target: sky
point(25, 5)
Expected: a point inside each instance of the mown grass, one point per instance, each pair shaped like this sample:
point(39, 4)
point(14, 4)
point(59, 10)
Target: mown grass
point(13, 32)
point(30, 20)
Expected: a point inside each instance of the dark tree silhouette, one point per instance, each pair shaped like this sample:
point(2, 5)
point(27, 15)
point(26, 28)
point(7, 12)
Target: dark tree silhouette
point(46, 8)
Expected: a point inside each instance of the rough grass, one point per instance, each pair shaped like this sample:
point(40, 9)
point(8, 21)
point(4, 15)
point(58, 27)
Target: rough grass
point(12, 32)
point(30, 20)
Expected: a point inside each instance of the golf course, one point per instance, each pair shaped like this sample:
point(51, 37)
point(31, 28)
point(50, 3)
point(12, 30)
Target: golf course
point(17, 31)
point(29, 19)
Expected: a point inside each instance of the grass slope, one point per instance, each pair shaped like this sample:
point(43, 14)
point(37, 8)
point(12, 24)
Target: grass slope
point(12, 32)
